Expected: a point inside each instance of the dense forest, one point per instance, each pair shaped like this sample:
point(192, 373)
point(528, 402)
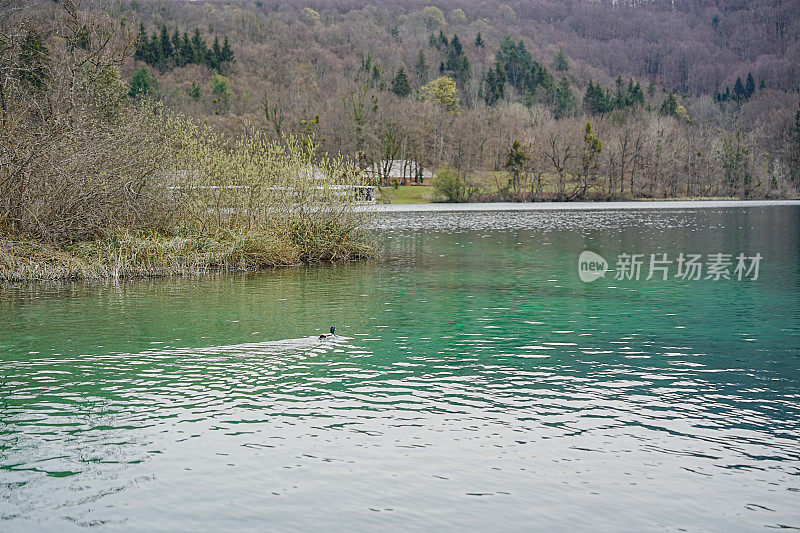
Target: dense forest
point(558, 99)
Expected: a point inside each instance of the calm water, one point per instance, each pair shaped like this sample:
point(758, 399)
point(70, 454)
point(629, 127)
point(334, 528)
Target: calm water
point(477, 383)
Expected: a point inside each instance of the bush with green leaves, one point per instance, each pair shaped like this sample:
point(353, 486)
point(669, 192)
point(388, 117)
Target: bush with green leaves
point(449, 186)
point(142, 82)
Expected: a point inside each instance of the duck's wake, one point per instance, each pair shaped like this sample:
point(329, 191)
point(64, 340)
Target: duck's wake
point(306, 345)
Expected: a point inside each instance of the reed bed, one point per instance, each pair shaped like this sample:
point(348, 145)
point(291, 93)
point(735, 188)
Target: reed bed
point(129, 254)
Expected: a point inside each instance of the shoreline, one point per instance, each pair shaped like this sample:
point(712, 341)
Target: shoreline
point(578, 206)
point(128, 255)
point(147, 255)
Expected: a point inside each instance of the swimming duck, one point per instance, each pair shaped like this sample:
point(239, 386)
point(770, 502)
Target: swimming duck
point(329, 335)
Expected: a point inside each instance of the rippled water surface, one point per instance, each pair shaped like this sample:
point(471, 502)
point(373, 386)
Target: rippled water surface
point(476, 383)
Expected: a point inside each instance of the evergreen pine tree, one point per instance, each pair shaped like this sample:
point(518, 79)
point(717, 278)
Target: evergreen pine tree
point(670, 106)
point(227, 51)
point(421, 68)
point(400, 85)
point(142, 44)
point(620, 95)
point(596, 99)
point(522, 71)
point(166, 44)
point(495, 84)
point(443, 43)
point(176, 48)
point(479, 41)
point(635, 94)
point(156, 57)
point(588, 98)
point(749, 85)
point(738, 90)
point(564, 101)
point(141, 83)
point(199, 48)
point(455, 46)
point(377, 73)
point(214, 55)
point(560, 62)
point(187, 52)
point(457, 62)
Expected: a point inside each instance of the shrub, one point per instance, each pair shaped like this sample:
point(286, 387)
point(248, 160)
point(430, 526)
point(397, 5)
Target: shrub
point(448, 185)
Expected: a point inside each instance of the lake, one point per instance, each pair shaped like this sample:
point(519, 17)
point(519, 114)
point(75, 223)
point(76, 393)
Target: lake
point(476, 382)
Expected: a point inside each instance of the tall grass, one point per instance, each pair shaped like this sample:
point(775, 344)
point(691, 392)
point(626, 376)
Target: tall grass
point(126, 254)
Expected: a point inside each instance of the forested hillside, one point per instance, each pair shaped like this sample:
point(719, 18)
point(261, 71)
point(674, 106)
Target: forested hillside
point(569, 98)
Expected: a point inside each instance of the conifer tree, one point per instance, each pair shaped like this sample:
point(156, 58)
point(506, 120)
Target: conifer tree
point(443, 42)
point(620, 95)
point(166, 44)
point(227, 51)
point(195, 92)
point(432, 42)
point(560, 62)
point(214, 55)
point(199, 48)
point(565, 101)
point(141, 83)
point(457, 62)
point(400, 85)
point(186, 53)
point(455, 46)
point(421, 68)
point(176, 47)
point(596, 99)
point(749, 85)
point(156, 57)
point(495, 84)
point(738, 90)
point(669, 107)
point(142, 43)
point(635, 93)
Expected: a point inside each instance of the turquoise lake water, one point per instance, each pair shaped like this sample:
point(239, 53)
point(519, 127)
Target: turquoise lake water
point(476, 383)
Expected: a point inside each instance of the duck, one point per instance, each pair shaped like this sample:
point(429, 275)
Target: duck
point(328, 335)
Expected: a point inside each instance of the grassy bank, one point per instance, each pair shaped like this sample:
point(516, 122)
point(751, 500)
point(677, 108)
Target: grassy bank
point(140, 254)
point(425, 194)
point(408, 194)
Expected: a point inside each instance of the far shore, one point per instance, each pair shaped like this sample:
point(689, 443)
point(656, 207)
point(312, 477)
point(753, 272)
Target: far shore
point(580, 206)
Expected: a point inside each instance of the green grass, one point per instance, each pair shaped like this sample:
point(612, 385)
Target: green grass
point(408, 194)
point(487, 183)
